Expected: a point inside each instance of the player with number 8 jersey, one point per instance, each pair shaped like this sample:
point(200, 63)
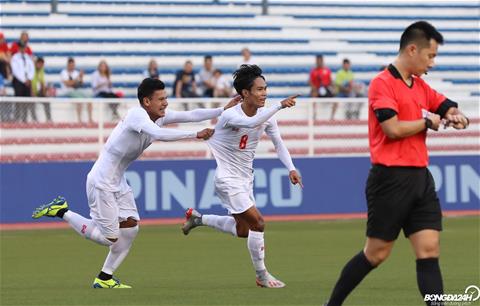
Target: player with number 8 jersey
point(237, 134)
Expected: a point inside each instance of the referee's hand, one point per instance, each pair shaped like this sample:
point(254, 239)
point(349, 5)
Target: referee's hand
point(456, 119)
point(295, 178)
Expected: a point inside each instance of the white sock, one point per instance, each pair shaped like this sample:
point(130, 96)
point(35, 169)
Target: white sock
point(256, 247)
point(86, 228)
point(120, 249)
point(224, 224)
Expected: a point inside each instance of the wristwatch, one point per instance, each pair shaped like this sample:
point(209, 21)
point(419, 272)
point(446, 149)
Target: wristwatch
point(428, 123)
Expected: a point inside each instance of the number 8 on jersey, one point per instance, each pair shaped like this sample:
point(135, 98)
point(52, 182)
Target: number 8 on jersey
point(243, 142)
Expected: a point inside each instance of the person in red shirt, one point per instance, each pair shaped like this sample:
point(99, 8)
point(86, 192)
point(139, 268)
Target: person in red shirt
point(5, 57)
point(321, 82)
point(400, 189)
point(6, 108)
point(23, 38)
point(4, 50)
point(321, 79)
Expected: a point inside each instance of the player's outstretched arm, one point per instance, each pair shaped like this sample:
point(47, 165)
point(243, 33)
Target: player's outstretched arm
point(205, 134)
point(237, 99)
point(295, 178)
point(163, 134)
point(290, 101)
point(274, 133)
point(199, 114)
point(260, 117)
point(195, 115)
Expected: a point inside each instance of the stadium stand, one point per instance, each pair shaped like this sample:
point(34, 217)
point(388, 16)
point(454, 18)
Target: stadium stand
point(284, 43)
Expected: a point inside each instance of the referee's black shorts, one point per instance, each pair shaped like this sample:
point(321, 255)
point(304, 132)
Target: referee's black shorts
point(401, 198)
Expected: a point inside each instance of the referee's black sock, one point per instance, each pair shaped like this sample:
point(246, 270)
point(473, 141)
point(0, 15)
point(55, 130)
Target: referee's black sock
point(429, 277)
point(352, 274)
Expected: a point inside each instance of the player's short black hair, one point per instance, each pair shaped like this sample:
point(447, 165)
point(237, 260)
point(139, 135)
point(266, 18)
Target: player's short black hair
point(420, 33)
point(244, 77)
point(319, 56)
point(207, 57)
point(148, 87)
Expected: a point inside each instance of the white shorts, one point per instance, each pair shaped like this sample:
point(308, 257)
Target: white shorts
point(236, 196)
point(108, 208)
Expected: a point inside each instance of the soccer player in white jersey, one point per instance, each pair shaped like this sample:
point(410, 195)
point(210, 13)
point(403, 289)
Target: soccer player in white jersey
point(114, 216)
point(233, 145)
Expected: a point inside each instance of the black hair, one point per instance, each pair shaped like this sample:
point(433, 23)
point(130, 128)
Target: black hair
point(244, 77)
point(207, 57)
point(346, 60)
point(319, 56)
point(420, 33)
point(70, 60)
point(148, 87)
point(40, 59)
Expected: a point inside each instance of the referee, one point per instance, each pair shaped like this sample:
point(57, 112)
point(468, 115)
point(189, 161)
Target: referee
point(400, 190)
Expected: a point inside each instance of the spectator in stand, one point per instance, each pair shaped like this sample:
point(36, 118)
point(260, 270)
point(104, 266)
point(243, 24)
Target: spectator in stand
point(3, 93)
point(347, 87)
point(102, 86)
point(205, 77)
point(39, 88)
point(223, 88)
point(321, 82)
point(72, 87)
point(152, 70)
point(15, 47)
point(6, 111)
point(22, 70)
point(247, 57)
point(185, 85)
point(5, 57)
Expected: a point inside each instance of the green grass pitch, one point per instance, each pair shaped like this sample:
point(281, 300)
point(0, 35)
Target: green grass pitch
point(56, 267)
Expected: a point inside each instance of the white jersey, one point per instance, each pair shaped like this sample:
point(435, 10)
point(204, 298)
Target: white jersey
point(236, 139)
point(132, 136)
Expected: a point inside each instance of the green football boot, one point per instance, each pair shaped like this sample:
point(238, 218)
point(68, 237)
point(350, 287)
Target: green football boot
point(50, 209)
point(112, 283)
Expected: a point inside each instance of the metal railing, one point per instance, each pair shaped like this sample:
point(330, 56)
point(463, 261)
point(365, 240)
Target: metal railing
point(309, 117)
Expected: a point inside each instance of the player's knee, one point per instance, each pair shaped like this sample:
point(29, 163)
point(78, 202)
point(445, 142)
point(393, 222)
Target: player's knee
point(258, 225)
point(242, 230)
point(243, 233)
point(130, 222)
